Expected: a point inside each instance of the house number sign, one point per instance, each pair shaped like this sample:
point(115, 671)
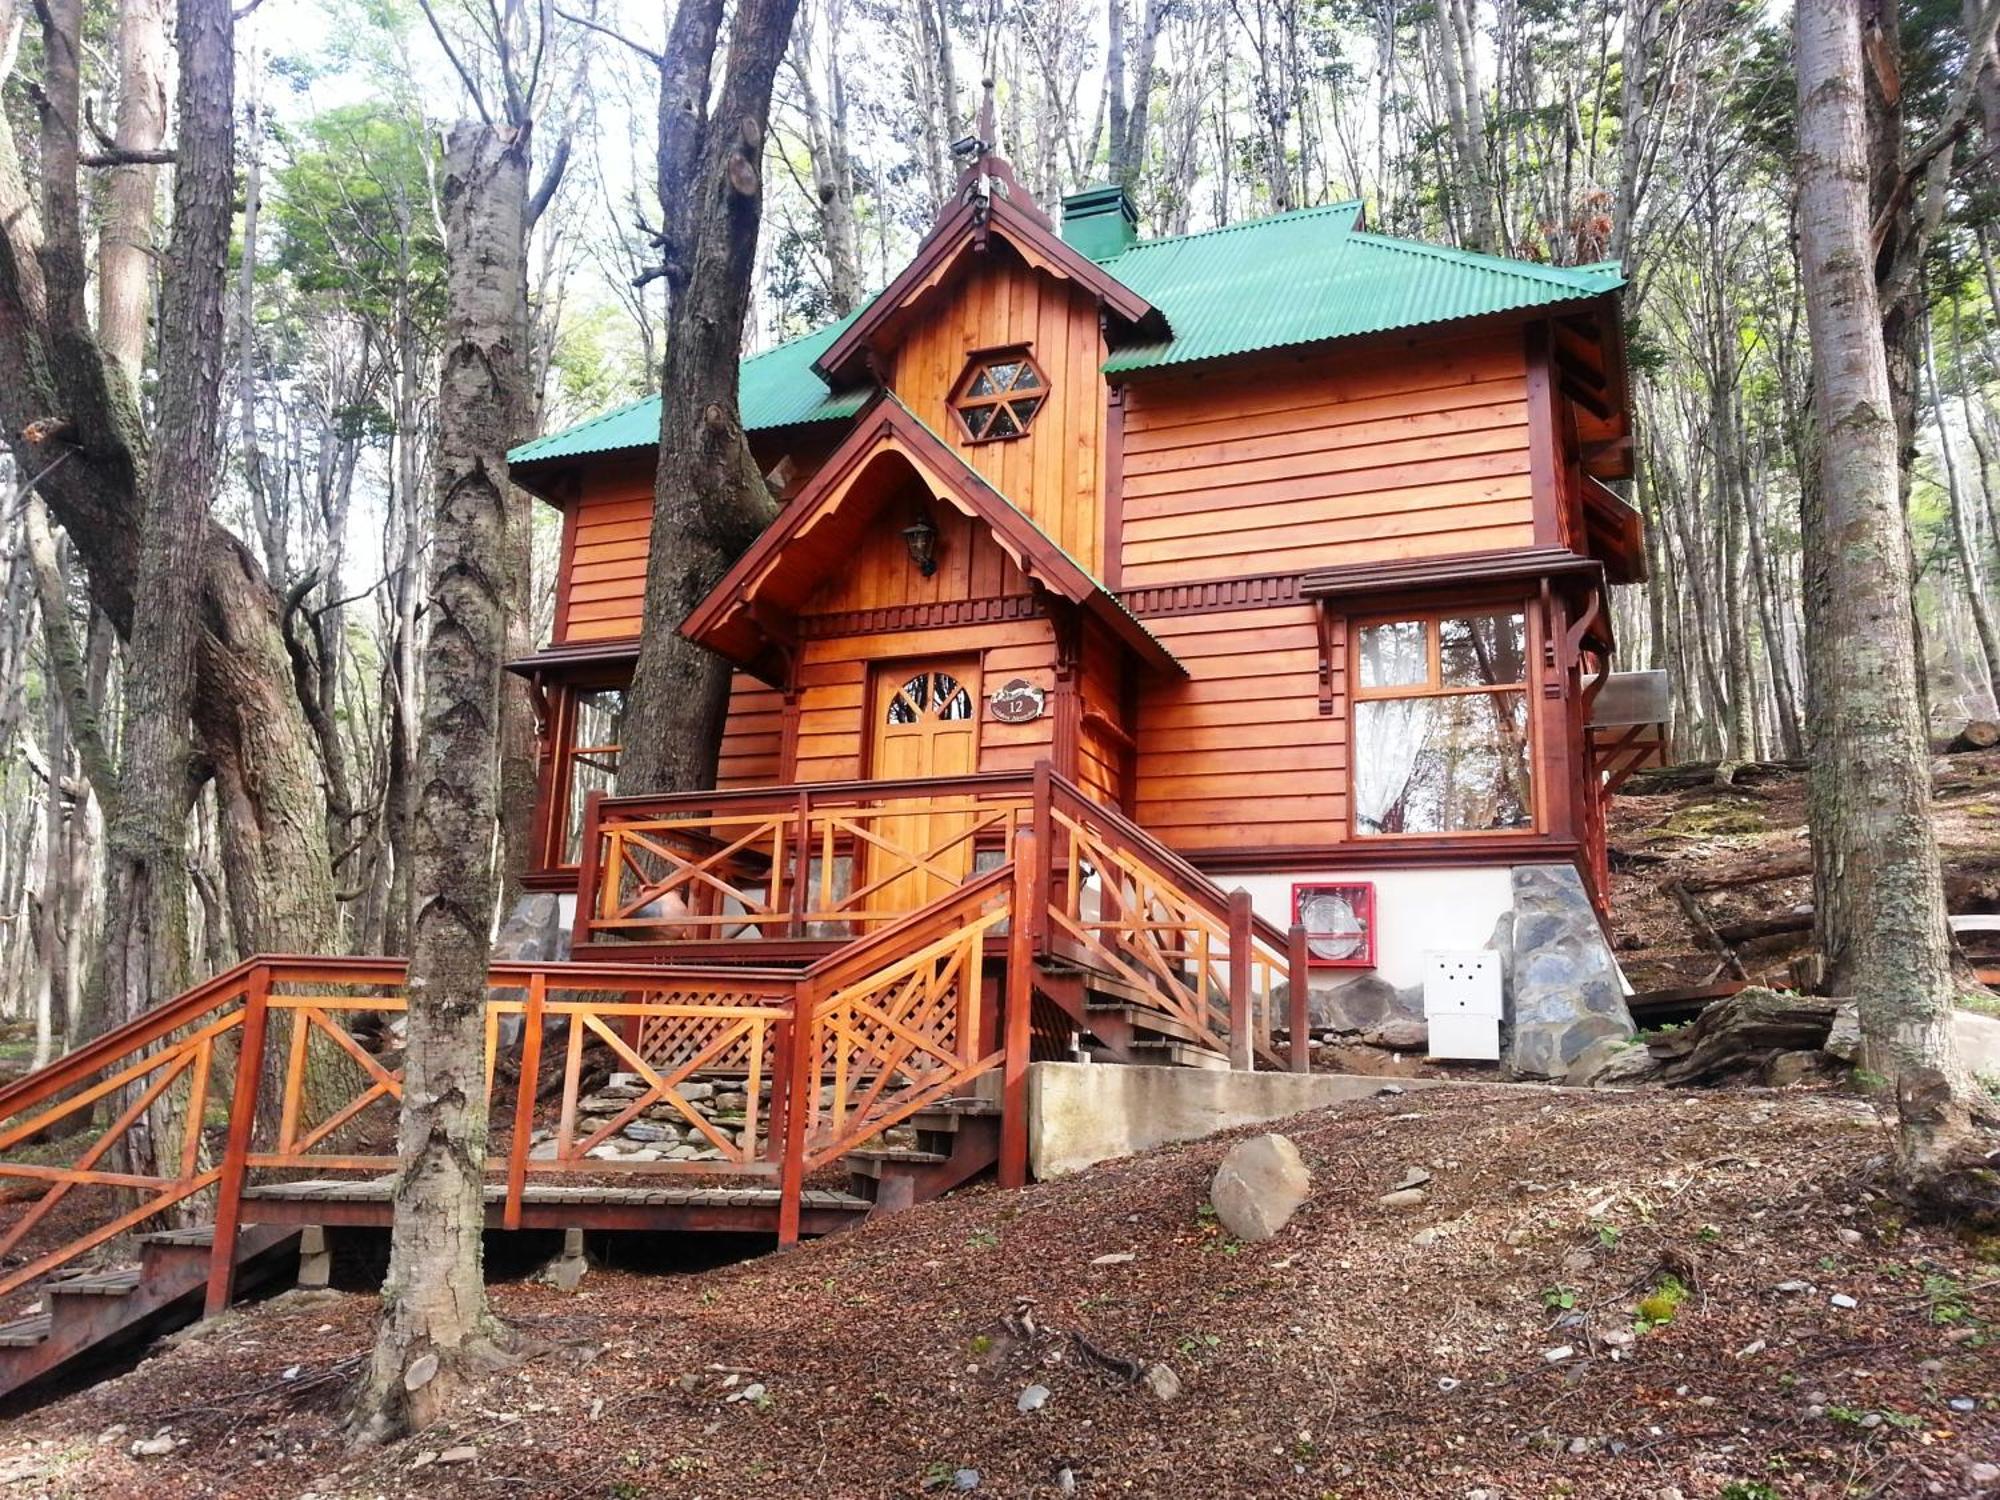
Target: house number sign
point(1018, 702)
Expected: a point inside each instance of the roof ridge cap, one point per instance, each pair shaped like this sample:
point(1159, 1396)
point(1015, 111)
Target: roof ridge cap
point(1534, 269)
point(1316, 210)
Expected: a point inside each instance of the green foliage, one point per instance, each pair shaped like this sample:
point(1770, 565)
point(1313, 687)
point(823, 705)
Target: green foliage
point(1658, 1306)
point(355, 214)
point(1559, 1297)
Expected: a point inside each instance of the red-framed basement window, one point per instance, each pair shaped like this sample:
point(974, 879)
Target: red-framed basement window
point(1339, 919)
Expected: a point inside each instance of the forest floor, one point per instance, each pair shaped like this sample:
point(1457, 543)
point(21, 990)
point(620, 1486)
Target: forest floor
point(1740, 853)
point(1518, 1333)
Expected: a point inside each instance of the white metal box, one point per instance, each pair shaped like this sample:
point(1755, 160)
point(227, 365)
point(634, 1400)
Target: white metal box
point(1464, 983)
point(1471, 1038)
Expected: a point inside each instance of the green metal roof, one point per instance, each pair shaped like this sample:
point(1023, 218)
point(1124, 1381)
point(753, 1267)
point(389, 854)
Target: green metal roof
point(779, 389)
point(1311, 275)
point(1304, 277)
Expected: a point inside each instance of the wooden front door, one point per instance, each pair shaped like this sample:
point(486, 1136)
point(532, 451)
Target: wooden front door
point(924, 723)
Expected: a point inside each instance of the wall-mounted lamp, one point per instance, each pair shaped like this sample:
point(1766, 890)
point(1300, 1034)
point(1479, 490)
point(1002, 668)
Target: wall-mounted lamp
point(921, 536)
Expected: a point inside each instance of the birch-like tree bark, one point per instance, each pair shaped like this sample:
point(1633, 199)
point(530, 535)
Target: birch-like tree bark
point(436, 1326)
point(1879, 895)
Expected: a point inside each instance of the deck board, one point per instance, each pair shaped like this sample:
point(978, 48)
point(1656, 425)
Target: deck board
point(561, 1206)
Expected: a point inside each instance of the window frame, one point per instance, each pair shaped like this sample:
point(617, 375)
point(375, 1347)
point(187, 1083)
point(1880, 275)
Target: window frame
point(559, 752)
point(1433, 687)
point(979, 360)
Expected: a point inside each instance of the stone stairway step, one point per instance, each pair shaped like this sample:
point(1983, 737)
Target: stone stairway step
point(25, 1333)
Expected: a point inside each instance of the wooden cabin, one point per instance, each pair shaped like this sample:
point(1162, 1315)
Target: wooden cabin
point(1288, 540)
point(1166, 651)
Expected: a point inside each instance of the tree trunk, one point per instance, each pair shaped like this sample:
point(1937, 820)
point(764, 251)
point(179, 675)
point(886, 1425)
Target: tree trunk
point(436, 1326)
point(146, 941)
point(1961, 525)
point(125, 245)
point(709, 500)
point(1878, 892)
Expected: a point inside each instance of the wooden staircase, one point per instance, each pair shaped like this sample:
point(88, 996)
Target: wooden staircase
point(98, 1312)
point(898, 1055)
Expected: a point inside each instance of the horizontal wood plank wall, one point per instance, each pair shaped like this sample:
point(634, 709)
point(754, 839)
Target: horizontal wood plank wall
point(607, 570)
point(833, 681)
point(1290, 465)
point(752, 735)
point(1239, 754)
point(1055, 473)
point(1101, 748)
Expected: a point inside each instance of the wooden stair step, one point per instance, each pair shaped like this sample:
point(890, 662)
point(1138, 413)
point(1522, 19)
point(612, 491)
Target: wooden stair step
point(1179, 1055)
point(897, 1154)
point(194, 1237)
point(1146, 1018)
point(119, 1283)
point(25, 1333)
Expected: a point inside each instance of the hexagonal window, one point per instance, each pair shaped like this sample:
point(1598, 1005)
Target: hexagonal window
point(998, 395)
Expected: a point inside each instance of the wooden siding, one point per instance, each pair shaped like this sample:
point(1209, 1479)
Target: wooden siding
point(1239, 754)
point(606, 561)
point(1101, 749)
point(1054, 473)
point(1293, 465)
point(753, 735)
point(833, 685)
point(877, 572)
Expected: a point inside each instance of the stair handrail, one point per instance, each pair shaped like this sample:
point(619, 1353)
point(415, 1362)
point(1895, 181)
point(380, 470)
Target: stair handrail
point(1229, 910)
point(822, 986)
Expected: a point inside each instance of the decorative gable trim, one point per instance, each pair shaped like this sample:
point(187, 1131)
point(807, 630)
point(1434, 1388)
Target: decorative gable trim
point(963, 230)
point(887, 423)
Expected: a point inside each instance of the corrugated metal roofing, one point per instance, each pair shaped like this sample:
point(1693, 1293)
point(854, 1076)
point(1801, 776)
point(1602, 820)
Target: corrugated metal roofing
point(1297, 278)
point(1309, 276)
point(779, 389)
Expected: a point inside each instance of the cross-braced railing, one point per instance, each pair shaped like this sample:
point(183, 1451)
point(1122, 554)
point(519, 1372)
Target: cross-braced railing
point(294, 1065)
point(816, 862)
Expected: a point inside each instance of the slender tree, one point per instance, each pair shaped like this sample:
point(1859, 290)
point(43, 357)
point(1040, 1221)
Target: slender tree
point(436, 1326)
point(1878, 889)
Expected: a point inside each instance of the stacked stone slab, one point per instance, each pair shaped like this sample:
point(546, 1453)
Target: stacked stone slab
point(660, 1132)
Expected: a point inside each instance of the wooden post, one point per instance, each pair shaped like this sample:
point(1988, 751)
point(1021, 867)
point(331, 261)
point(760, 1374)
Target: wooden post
point(1018, 1019)
point(524, 1097)
point(802, 1068)
point(236, 1148)
point(1040, 852)
point(586, 873)
point(1241, 1041)
point(802, 868)
point(1301, 1000)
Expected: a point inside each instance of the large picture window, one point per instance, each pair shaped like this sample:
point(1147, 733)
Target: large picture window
point(1441, 742)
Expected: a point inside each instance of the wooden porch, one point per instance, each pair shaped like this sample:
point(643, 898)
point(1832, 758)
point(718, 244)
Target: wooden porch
point(909, 995)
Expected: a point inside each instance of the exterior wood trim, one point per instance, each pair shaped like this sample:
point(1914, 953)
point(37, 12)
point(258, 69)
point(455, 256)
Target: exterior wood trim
point(966, 228)
point(1431, 575)
point(558, 661)
point(1544, 455)
point(1376, 853)
point(1212, 596)
point(938, 616)
point(1114, 485)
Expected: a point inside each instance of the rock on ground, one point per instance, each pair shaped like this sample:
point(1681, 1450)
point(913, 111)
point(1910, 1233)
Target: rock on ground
point(1259, 1186)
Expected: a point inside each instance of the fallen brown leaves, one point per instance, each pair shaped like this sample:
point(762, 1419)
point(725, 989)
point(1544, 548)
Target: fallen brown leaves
point(1341, 1358)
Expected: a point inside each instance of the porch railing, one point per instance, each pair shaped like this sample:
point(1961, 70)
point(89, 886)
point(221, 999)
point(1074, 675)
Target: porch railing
point(283, 1065)
point(688, 868)
point(819, 861)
